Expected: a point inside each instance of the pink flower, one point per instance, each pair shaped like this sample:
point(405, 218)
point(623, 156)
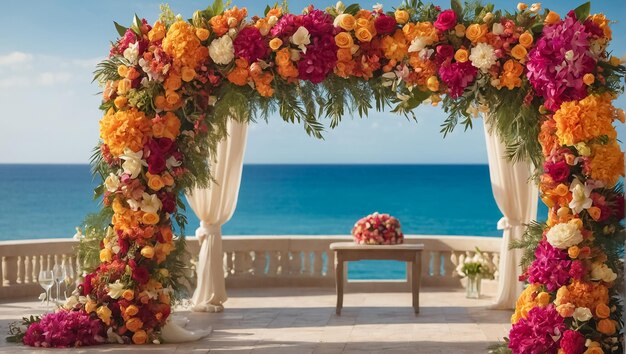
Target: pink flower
point(250, 44)
point(457, 76)
point(446, 20)
point(286, 26)
point(559, 171)
point(65, 329)
point(551, 267)
point(539, 333)
point(385, 24)
point(578, 270)
point(321, 54)
point(573, 342)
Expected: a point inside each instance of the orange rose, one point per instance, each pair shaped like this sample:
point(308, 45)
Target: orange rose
point(172, 98)
point(566, 310)
point(363, 34)
point(128, 294)
point(188, 74)
point(606, 326)
point(347, 22)
point(401, 16)
point(167, 234)
point(120, 101)
point(552, 18)
point(160, 102)
point(594, 212)
point(147, 252)
point(150, 218)
point(594, 350)
point(476, 32)
point(603, 311)
point(459, 30)
point(173, 82)
point(106, 255)
point(202, 33)
point(122, 70)
point(155, 182)
point(275, 43)
point(461, 55)
point(589, 79)
point(543, 299)
point(344, 40)
point(131, 311)
point(362, 22)
point(519, 52)
point(344, 54)
point(123, 86)
point(526, 39)
point(140, 337)
point(573, 252)
point(132, 74)
point(134, 324)
point(433, 83)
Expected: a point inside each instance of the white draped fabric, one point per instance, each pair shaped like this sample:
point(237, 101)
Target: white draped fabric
point(517, 199)
point(214, 206)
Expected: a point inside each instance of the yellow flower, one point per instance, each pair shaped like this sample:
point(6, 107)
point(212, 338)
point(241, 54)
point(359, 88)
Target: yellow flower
point(90, 306)
point(344, 40)
point(275, 43)
point(134, 324)
point(589, 79)
point(150, 218)
point(543, 299)
point(188, 74)
point(157, 32)
point(123, 86)
point(147, 252)
point(433, 83)
point(401, 16)
point(573, 252)
point(202, 33)
point(476, 32)
point(104, 313)
point(120, 101)
point(526, 39)
point(461, 55)
point(122, 70)
point(347, 22)
point(552, 18)
point(459, 30)
point(106, 255)
point(128, 294)
point(519, 52)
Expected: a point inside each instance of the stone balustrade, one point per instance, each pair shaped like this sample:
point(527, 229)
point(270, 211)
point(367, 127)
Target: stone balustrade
point(257, 261)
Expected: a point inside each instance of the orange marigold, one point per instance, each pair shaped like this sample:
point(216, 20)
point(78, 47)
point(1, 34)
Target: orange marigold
point(166, 126)
point(583, 294)
point(423, 69)
point(526, 302)
point(182, 44)
point(229, 19)
point(584, 120)
point(510, 77)
point(547, 137)
point(396, 46)
point(426, 30)
point(125, 129)
point(240, 73)
point(607, 162)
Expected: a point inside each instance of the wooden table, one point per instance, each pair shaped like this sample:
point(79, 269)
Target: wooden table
point(350, 251)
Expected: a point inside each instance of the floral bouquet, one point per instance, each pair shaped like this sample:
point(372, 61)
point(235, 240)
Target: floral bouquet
point(377, 229)
point(479, 264)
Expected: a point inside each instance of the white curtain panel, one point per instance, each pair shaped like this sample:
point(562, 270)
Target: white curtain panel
point(516, 197)
point(214, 206)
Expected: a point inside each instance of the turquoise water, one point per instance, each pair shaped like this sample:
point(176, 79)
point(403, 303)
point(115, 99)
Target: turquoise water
point(48, 201)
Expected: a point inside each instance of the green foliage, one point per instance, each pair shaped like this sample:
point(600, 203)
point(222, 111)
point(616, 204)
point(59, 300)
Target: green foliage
point(17, 329)
point(167, 16)
point(529, 241)
point(582, 11)
point(121, 30)
point(500, 348)
point(106, 70)
point(88, 249)
point(457, 110)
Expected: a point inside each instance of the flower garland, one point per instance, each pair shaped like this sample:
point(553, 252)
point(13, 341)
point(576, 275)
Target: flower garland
point(170, 87)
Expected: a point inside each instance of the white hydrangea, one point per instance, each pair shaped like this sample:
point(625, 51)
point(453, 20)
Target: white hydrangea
point(483, 56)
point(564, 235)
point(222, 50)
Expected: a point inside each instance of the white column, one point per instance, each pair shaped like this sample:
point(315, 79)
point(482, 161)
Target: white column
point(516, 197)
point(214, 206)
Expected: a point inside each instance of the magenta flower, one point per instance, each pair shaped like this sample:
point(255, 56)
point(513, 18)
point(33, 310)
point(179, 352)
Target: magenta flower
point(559, 171)
point(250, 45)
point(573, 342)
point(446, 20)
point(286, 26)
point(551, 267)
point(321, 54)
point(65, 329)
point(457, 76)
point(559, 61)
point(385, 24)
point(539, 333)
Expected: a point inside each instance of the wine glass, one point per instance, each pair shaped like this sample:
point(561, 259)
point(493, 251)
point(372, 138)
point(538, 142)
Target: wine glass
point(46, 280)
point(59, 276)
point(69, 277)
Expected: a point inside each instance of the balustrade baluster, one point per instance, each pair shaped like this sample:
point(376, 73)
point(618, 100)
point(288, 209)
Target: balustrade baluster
point(318, 264)
point(259, 263)
point(9, 265)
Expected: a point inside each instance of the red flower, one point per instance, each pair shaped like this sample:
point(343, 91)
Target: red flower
point(559, 171)
point(446, 20)
point(141, 275)
point(385, 24)
point(250, 45)
point(168, 201)
point(86, 285)
point(573, 342)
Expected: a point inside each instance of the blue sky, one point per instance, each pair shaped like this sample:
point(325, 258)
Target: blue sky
point(50, 107)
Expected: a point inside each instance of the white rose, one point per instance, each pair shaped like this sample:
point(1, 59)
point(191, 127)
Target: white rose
point(301, 38)
point(222, 51)
point(112, 183)
point(132, 53)
point(582, 314)
point(417, 44)
point(497, 29)
point(564, 235)
point(600, 271)
point(483, 56)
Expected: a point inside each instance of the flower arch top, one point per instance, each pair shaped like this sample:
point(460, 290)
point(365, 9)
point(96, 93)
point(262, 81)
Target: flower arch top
point(547, 81)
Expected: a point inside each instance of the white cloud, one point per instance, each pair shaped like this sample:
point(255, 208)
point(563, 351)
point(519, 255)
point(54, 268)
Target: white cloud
point(14, 58)
point(53, 78)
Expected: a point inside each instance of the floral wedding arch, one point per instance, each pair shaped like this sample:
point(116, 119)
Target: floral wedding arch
point(170, 88)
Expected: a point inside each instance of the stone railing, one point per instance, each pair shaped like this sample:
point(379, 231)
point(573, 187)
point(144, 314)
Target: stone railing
point(257, 261)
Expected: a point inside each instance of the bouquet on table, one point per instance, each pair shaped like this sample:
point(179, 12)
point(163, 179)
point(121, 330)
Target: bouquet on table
point(377, 229)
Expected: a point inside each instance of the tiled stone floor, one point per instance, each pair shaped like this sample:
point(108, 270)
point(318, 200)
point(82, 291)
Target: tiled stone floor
point(303, 320)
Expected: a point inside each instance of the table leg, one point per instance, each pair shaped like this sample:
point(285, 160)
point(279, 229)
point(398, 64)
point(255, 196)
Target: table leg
point(416, 270)
point(339, 282)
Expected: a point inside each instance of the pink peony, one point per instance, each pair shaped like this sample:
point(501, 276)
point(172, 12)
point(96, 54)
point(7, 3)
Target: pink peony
point(286, 26)
point(539, 333)
point(559, 61)
point(385, 24)
point(559, 171)
point(551, 267)
point(573, 342)
point(250, 45)
point(446, 20)
point(457, 76)
point(65, 329)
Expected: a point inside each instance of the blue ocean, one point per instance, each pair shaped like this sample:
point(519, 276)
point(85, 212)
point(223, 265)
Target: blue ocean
point(49, 201)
